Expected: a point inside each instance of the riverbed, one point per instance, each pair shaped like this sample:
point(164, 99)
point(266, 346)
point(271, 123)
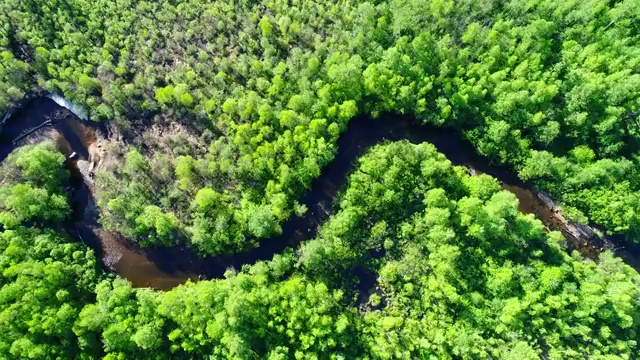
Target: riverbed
point(165, 268)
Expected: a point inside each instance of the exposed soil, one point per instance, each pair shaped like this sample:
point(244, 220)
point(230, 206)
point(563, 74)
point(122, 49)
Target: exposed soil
point(165, 268)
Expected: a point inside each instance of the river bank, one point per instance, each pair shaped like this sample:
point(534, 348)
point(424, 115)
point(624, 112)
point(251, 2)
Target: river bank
point(84, 143)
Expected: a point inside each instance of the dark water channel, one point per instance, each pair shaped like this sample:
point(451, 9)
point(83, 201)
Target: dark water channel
point(164, 268)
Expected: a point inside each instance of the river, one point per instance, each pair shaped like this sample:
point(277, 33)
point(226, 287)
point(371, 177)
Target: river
point(165, 268)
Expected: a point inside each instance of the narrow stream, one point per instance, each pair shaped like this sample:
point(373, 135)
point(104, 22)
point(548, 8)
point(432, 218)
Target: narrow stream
point(165, 268)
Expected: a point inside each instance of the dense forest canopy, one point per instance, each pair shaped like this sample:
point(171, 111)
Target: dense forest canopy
point(550, 89)
point(461, 274)
point(226, 112)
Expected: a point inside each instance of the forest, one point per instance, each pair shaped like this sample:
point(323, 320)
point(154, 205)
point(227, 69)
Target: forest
point(221, 114)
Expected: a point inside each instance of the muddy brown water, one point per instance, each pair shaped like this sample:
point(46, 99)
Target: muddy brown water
point(165, 268)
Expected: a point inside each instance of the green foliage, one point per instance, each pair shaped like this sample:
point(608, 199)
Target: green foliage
point(548, 88)
point(14, 75)
point(45, 279)
point(464, 274)
point(39, 165)
point(45, 282)
point(21, 203)
point(260, 221)
point(249, 315)
point(553, 78)
point(32, 187)
point(160, 226)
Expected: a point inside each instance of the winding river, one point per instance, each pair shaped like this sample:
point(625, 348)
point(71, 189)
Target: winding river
point(164, 268)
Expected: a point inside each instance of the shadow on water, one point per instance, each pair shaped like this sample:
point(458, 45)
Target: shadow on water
point(164, 268)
